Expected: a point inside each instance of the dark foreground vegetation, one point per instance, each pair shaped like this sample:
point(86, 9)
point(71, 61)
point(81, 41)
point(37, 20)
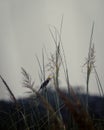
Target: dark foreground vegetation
point(31, 114)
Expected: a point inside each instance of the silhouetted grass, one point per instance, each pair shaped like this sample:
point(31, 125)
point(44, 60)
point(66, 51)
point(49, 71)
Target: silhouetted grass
point(58, 109)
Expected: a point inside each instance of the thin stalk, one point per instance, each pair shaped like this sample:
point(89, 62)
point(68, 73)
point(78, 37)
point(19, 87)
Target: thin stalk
point(25, 121)
point(98, 81)
point(9, 90)
point(45, 89)
point(39, 66)
point(57, 66)
point(89, 66)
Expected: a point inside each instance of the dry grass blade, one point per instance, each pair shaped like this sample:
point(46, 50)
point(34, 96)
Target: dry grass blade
point(98, 82)
point(41, 71)
point(89, 64)
point(27, 82)
point(80, 115)
point(9, 90)
point(43, 65)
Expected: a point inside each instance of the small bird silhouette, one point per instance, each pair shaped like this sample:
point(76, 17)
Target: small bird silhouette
point(45, 83)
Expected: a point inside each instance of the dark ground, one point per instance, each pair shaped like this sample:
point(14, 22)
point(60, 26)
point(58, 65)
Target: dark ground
point(35, 114)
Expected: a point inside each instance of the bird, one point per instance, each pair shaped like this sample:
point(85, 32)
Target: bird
point(45, 83)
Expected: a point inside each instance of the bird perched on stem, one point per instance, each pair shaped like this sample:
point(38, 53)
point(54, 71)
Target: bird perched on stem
point(45, 83)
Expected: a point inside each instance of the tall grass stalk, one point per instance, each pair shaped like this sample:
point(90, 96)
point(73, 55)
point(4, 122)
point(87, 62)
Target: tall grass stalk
point(45, 89)
point(43, 78)
point(56, 66)
point(12, 96)
point(100, 88)
point(89, 63)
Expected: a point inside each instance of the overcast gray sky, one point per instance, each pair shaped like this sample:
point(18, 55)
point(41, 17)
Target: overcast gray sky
point(24, 31)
